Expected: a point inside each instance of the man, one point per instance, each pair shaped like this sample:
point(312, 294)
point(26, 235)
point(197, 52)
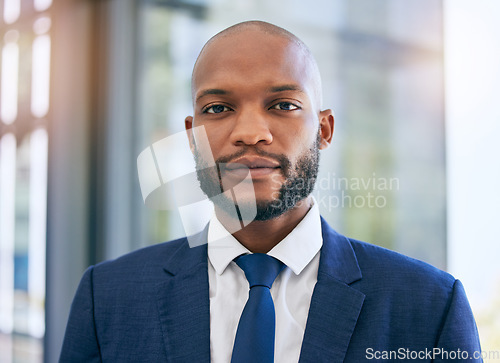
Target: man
point(257, 93)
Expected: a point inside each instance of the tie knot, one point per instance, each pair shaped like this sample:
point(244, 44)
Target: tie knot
point(260, 269)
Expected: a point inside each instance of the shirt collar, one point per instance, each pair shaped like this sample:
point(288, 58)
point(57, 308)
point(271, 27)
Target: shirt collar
point(296, 250)
point(222, 246)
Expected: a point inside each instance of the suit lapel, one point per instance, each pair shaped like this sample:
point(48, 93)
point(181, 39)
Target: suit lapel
point(184, 306)
point(335, 306)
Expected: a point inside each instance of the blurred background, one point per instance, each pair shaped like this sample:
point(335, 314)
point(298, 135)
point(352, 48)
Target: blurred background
point(86, 85)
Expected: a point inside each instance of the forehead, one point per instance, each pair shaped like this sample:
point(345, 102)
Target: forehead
point(249, 59)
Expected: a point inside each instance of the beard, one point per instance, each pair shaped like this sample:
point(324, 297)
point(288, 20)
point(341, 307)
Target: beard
point(300, 179)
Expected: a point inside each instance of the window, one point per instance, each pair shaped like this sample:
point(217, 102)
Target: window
point(24, 109)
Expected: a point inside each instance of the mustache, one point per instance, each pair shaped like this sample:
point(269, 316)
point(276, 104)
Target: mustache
point(283, 161)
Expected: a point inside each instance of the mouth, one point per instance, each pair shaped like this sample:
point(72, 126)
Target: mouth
point(257, 166)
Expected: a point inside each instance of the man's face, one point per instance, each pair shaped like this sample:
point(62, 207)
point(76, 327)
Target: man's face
point(255, 96)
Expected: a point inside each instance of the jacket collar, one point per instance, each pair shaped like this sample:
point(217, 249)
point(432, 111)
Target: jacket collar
point(337, 260)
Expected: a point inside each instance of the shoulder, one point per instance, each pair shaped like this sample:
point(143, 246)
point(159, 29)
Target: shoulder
point(376, 261)
point(413, 299)
point(391, 278)
point(408, 303)
point(141, 262)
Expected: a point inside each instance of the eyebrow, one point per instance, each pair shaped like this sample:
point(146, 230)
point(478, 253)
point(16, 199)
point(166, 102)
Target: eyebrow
point(285, 87)
point(275, 89)
point(212, 91)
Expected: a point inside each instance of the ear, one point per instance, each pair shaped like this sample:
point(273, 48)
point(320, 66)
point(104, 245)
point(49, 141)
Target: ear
point(188, 123)
point(326, 123)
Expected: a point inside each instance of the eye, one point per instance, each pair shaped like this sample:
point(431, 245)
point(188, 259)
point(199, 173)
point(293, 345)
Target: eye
point(285, 106)
point(216, 109)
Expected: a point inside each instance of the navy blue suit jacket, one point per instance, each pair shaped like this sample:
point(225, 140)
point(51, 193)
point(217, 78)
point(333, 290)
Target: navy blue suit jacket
point(152, 305)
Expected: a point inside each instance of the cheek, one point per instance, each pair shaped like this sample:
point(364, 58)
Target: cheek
point(218, 135)
point(300, 138)
point(216, 141)
point(204, 143)
point(304, 145)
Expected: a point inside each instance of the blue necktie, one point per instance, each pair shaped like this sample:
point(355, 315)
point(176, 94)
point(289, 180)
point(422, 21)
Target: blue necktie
point(254, 341)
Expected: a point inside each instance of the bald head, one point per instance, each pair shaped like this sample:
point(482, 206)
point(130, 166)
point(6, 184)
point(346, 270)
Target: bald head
point(261, 26)
point(241, 34)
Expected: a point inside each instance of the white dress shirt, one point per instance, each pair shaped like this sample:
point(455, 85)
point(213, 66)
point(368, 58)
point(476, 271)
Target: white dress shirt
point(291, 291)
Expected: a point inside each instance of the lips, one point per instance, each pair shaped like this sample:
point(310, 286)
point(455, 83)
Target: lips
point(252, 163)
point(258, 166)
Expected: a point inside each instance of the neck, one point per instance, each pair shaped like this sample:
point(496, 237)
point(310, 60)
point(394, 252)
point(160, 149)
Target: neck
point(262, 236)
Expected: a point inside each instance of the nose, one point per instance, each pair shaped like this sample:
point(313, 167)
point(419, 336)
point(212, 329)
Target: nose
point(250, 128)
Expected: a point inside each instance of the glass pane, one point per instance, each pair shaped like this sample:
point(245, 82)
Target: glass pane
point(23, 184)
point(11, 10)
point(7, 230)
point(40, 76)
point(10, 69)
point(37, 232)
point(21, 256)
point(41, 5)
point(169, 37)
